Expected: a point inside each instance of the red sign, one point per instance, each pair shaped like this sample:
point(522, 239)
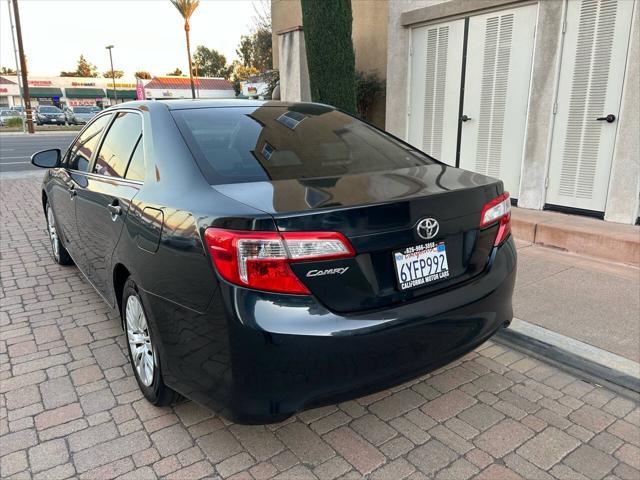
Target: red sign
point(40, 83)
point(3, 90)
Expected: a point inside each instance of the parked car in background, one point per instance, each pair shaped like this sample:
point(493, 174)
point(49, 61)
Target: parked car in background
point(267, 257)
point(18, 109)
point(5, 115)
point(48, 114)
point(81, 115)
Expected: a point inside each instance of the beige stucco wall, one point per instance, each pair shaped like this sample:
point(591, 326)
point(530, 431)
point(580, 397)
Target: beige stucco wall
point(369, 34)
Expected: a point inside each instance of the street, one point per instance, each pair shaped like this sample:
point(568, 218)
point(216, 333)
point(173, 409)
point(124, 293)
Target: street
point(70, 406)
point(16, 148)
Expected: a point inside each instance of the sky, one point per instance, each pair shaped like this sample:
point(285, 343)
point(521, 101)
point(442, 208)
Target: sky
point(146, 34)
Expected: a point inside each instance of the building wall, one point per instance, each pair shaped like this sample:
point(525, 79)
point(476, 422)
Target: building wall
point(369, 34)
point(622, 201)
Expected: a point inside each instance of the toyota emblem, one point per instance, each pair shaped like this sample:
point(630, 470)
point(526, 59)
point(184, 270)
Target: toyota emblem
point(427, 228)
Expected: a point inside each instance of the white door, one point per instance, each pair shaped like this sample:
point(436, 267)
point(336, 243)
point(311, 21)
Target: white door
point(434, 89)
point(496, 97)
point(591, 77)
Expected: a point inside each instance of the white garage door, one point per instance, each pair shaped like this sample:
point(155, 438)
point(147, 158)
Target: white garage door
point(499, 58)
point(487, 134)
point(591, 77)
point(436, 66)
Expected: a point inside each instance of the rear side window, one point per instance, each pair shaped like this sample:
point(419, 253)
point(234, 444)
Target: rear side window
point(82, 150)
point(118, 145)
point(273, 142)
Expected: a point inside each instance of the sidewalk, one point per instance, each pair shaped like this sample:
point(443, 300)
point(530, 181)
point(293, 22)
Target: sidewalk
point(608, 241)
point(592, 301)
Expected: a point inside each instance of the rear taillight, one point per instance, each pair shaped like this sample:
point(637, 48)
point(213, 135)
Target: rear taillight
point(498, 210)
point(260, 260)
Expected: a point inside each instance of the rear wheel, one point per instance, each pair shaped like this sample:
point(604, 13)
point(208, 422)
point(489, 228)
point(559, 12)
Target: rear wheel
point(59, 253)
point(142, 351)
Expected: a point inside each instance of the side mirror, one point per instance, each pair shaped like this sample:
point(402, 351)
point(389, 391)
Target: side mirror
point(47, 158)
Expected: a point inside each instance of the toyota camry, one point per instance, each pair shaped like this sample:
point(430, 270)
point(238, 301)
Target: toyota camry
point(267, 257)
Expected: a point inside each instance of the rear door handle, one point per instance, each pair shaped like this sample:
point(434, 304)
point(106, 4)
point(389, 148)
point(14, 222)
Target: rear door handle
point(72, 192)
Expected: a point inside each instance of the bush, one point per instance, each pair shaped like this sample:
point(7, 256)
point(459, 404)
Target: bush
point(330, 56)
point(14, 122)
point(368, 86)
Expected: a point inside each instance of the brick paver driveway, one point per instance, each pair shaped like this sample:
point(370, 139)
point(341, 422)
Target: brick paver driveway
point(70, 406)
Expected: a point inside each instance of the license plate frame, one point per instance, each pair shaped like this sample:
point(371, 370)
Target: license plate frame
point(405, 266)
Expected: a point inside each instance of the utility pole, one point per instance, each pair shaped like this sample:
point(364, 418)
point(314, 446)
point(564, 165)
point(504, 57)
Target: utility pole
point(15, 53)
point(113, 75)
point(23, 68)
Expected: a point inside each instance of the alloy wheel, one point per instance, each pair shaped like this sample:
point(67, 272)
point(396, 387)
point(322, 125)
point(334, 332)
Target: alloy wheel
point(142, 351)
point(53, 233)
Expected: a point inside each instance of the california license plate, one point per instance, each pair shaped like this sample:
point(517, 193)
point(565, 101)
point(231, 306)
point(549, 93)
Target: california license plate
point(421, 264)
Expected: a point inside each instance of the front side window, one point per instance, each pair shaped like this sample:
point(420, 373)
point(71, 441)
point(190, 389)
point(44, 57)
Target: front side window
point(277, 142)
point(82, 150)
point(118, 145)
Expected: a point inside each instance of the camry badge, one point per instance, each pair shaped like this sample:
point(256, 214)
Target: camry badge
point(427, 228)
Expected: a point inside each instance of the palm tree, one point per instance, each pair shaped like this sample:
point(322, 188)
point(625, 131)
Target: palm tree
point(186, 9)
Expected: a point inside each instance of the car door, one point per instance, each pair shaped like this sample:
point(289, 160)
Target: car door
point(103, 202)
point(63, 188)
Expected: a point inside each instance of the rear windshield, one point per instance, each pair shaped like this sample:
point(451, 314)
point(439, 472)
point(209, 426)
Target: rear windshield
point(82, 110)
point(50, 110)
point(245, 144)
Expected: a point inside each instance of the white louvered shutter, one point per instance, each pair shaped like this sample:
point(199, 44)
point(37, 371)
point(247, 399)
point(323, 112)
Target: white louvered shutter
point(499, 60)
point(434, 90)
point(591, 79)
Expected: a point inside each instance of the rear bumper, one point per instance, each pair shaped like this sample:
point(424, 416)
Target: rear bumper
point(261, 357)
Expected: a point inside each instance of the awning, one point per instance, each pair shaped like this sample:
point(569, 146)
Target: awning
point(122, 94)
point(84, 92)
point(44, 92)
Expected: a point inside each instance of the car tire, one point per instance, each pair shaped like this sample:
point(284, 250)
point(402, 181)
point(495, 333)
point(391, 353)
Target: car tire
point(143, 355)
point(58, 252)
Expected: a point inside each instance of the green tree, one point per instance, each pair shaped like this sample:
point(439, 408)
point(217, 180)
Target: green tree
point(176, 73)
point(7, 71)
point(330, 56)
point(245, 50)
point(210, 63)
point(143, 75)
point(255, 49)
point(186, 9)
point(116, 74)
point(368, 86)
point(83, 69)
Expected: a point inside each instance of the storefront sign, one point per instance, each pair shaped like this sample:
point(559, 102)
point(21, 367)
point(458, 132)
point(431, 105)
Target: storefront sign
point(40, 83)
point(4, 90)
point(76, 102)
point(167, 93)
point(83, 84)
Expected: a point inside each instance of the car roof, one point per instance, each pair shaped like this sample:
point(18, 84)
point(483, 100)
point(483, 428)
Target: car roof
point(202, 103)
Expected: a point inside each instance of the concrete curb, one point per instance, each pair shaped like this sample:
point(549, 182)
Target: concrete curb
point(578, 356)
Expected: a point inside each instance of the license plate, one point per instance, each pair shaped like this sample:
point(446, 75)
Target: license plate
point(421, 264)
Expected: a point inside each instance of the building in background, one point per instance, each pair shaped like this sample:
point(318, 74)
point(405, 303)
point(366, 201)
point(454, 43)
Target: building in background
point(167, 88)
point(67, 91)
point(543, 95)
point(9, 93)
point(369, 34)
